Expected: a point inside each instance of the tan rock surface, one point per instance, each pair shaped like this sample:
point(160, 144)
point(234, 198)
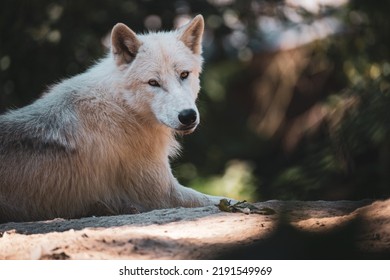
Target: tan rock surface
point(298, 230)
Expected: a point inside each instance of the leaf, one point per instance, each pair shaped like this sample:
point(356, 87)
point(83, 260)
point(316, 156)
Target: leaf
point(243, 207)
point(264, 211)
point(224, 205)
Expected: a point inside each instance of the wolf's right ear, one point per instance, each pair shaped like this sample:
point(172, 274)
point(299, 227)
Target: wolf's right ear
point(124, 44)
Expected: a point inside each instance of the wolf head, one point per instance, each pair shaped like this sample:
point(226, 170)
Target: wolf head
point(160, 72)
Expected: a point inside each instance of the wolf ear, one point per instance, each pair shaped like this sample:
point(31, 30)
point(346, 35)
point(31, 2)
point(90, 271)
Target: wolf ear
point(191, 34)
point(124, 44)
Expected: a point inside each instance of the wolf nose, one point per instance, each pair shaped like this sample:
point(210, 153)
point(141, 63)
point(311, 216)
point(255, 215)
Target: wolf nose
point(187, 116)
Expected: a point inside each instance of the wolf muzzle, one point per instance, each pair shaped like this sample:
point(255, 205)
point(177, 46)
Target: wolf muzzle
point(188, 119)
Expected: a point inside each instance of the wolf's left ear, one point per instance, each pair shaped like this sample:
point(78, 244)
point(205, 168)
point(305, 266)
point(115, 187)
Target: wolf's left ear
point(124, 44)
point(191, 34)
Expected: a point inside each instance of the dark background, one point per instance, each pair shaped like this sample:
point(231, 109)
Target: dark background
point(295, 98)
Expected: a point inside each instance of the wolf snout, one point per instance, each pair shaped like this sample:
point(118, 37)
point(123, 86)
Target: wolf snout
point(188, 117)
point(189, 120)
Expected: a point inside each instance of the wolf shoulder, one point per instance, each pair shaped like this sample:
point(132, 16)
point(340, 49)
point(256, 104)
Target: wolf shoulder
point(52, 121)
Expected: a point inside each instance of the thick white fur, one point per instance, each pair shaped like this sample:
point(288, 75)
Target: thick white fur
point(100, 142)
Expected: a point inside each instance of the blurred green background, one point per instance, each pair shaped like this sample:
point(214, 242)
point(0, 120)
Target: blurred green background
point(295, 94)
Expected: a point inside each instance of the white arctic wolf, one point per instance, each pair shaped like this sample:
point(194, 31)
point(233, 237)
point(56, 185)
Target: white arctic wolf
point(100, 142)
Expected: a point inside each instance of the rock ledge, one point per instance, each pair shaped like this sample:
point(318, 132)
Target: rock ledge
point(298, 230)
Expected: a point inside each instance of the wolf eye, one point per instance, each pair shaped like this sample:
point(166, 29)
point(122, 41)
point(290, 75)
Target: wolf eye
point(153, 83)
point(184, 75)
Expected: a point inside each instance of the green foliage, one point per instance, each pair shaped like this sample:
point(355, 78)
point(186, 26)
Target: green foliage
point(237, 181)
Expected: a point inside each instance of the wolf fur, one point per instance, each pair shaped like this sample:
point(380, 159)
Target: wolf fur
point(100, 142)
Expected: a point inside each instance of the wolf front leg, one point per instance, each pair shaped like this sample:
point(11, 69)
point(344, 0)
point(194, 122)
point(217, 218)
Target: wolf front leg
point(181, 196)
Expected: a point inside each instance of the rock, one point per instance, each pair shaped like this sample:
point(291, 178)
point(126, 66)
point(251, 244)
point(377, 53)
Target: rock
point(298, 230)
